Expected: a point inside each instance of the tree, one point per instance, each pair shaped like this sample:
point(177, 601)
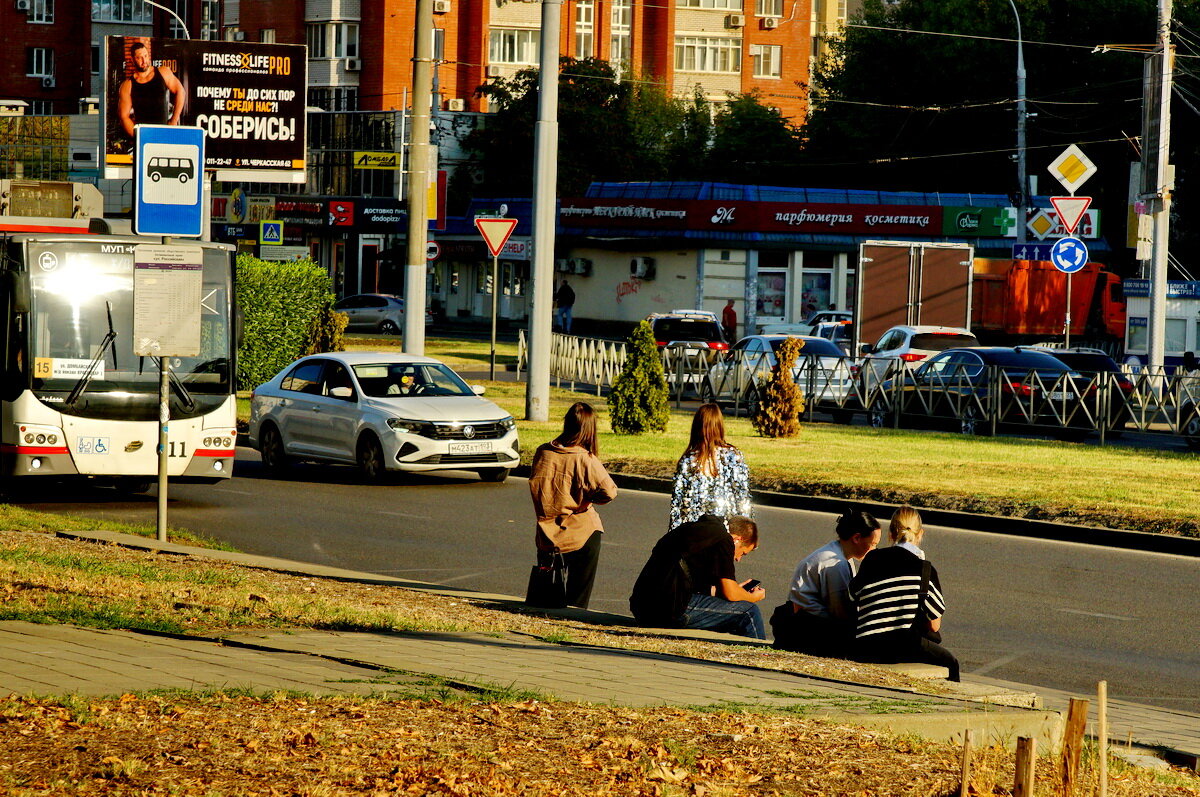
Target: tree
point(639, 394)
point(752, 143)
point(778, 414)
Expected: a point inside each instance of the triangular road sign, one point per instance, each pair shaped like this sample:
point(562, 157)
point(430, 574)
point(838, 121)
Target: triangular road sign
point(1070, 210)
point(495, 232)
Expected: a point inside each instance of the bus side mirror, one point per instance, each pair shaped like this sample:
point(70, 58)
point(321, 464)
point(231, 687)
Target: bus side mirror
point(18, 288)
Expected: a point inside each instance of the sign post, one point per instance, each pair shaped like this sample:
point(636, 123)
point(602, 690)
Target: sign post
point(495, 232)
point(1068, 255)
point(1071, 168)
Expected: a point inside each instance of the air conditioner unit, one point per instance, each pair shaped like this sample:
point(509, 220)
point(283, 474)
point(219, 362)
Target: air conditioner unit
point(22, 5)
point(239, 35)
point(441, 6)
point(581, 266)
point(562, 264)
point(456, 105)
point(47, 82)
point(770, 23)
point(353, 64)
point(642, 268)
point(735, 21)
point(493, 71)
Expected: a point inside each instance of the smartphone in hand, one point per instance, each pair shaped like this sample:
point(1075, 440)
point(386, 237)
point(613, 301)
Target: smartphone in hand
point(752, 585)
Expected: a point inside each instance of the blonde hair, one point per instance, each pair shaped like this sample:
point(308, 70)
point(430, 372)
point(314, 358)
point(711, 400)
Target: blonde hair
point(906, 525)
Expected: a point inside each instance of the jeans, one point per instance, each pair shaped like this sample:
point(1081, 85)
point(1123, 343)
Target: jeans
point(564, 319)
point(717, 614)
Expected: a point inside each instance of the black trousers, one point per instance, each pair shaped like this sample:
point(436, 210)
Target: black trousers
point(581, 571)
point(906, 646)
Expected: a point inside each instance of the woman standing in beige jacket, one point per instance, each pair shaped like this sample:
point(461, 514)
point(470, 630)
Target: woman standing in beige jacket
point(566, 481)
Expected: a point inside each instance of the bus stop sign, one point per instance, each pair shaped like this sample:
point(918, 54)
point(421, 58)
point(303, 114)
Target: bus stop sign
point(168, 167)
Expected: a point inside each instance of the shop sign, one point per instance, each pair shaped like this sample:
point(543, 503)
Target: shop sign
point(983, 222)
point(376, 160)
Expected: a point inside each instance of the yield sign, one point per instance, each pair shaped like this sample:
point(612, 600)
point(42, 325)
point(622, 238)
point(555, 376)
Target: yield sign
point(1070, 210)
point(495, 232)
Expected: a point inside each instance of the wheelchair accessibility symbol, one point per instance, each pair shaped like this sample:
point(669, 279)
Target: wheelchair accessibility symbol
point(92, 445)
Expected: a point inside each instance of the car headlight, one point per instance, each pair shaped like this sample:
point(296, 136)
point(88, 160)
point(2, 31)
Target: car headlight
point(508, 423)
point(405, 425)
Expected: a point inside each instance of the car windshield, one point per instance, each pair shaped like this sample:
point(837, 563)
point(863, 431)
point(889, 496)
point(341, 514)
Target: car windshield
point(940, 341)
point(405, 380)
point(669, 329)
point(813, 347)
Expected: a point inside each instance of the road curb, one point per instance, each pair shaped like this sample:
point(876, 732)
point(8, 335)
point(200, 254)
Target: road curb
point(994, 524)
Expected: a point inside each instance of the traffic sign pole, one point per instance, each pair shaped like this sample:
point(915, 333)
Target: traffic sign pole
point(495, 232)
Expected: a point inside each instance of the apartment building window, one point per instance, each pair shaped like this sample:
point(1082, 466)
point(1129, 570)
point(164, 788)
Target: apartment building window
point(620, 43)
point(120, 11)
point(39, 62)
point(345, 40)
point(768, 60)
point(267, 35)
point(769, 8)
point(724, 5)
point(585, 28)
point(175, 29)
point(41, 11)
point(41, 108)
point(210, 17)
point(708, 54)
point(95, 59)
point(317, 42)
point(514, 46)
point(334, 98)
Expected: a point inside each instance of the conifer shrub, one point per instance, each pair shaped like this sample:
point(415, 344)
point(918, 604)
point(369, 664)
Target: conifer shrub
point(638, 401)
point(778, 412)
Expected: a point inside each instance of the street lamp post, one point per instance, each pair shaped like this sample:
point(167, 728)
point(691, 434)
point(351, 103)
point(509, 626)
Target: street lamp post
point(1022, 179)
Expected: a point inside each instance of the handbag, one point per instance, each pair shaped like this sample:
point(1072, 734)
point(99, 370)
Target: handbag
point(548, 581)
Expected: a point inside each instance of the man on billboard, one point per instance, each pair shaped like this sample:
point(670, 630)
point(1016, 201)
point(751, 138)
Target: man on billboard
point(143, 95)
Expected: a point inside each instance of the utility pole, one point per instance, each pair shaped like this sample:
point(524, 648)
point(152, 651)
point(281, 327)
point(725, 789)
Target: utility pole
point(419, 168)
point(545, 205)
point(1157, 175)
point(1022, 174)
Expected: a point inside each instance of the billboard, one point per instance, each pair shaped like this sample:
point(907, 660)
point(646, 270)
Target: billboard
point(249, 99)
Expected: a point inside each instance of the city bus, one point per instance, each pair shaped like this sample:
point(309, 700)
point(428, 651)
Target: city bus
point(75, 401)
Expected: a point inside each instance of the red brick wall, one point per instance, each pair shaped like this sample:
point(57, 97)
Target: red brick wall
point(70, 38)
point(285, 16)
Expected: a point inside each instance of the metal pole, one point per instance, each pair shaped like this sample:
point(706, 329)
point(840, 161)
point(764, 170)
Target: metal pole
point(1156, 350)
point(495, 298)
point(537, 393)
point(1022, 178)
point(419, 157)
point(1067, 328)
point(164, 417)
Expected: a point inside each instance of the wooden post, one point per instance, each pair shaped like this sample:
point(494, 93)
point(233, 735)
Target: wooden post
point(1073, 745)
point(1102, 737)
point(1023, 781)
point(965, 789)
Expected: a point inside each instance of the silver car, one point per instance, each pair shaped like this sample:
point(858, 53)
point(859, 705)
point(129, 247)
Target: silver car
point(378, 312)
point(383, 412)
point(822, 370)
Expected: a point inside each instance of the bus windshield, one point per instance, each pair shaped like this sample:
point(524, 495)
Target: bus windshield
point(77, 286)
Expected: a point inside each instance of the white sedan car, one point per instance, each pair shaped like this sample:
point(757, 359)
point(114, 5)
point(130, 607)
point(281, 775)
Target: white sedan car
point(383, 412)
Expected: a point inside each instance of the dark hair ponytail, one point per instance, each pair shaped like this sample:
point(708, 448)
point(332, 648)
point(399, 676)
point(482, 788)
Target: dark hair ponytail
point(855, 521)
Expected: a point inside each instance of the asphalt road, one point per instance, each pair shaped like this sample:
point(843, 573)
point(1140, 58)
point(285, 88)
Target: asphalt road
point(1058, 615)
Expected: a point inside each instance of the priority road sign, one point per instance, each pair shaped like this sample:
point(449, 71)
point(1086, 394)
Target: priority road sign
point(1069, 255)
point(1072, 168)
point(1070, 210)
point(495, 232)
point(168, 166)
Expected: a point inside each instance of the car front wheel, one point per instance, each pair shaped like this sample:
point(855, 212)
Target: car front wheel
point(971, 421)
point(881, 418)
point(370, 459)
point(389, 327)
point(1191, 427)
point(493, 474)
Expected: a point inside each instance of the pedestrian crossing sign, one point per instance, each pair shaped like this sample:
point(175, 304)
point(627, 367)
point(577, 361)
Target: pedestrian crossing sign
point(270, 232)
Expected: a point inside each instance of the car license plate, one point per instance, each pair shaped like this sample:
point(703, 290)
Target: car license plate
point(470, 448)
point(1061, 396)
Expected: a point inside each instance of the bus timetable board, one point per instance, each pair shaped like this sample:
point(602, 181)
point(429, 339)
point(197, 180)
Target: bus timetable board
point(249, 98)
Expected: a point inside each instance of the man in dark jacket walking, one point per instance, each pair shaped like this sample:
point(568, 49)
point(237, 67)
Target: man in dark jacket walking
point(564, 300)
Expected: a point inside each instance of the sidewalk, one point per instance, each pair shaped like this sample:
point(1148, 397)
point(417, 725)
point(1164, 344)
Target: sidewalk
point(41, 659)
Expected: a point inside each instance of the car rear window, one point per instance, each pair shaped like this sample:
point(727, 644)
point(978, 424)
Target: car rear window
point(940, 341)
point(1093, 363)
point(813, 347)
point(669, 329)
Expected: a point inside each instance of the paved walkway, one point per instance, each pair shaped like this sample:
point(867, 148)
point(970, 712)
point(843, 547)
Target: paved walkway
point(50, 659)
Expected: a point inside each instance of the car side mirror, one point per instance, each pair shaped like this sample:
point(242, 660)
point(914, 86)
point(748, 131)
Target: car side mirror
point(341, 392)
point(866, 348)
point(478, 389)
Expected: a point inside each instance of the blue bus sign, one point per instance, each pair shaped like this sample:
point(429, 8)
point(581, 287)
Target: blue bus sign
point(168, 174)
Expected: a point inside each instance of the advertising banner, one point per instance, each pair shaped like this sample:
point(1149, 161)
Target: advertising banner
point(249, 98)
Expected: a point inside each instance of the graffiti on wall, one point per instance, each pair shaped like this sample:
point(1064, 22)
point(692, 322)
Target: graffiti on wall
point(631, 285)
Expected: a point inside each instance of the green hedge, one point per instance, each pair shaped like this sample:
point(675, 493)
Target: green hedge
point(286, 309)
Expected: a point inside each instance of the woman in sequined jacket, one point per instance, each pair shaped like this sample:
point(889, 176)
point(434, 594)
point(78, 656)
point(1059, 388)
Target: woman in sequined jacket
point(711, 477)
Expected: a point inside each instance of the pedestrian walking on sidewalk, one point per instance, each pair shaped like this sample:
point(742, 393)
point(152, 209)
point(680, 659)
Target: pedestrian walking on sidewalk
point(899, 600)
point(729, 322)
point(818, 616)
point(566, 482)
point(564, 302)
point(711, 478)
point(690, 579)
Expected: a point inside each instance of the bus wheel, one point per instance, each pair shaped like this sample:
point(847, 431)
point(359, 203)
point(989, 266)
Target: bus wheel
point(133, 484)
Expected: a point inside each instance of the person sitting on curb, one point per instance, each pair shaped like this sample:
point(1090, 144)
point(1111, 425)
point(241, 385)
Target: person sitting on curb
point(818, 616)
point(899, 601)
point(690, 582)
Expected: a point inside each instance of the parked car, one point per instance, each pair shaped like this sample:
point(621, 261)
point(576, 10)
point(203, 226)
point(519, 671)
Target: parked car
point(695, 329)
point(1034, 390)
point(840, 332)
point(383, 412)
point(826, 316)
point(823, 371)
point(1092, 363)
point(377, 312)
point(901, 346)
point(1188, 392)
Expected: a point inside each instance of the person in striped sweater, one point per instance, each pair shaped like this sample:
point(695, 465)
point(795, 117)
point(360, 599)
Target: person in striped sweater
point(899, 601)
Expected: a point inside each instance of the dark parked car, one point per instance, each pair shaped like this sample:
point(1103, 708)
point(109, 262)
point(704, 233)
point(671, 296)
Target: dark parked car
point(697, 329)
point(964, 386)
point(1099, 368)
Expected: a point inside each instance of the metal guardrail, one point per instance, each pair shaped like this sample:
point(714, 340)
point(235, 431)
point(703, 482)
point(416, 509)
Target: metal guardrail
point(1138, 399)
